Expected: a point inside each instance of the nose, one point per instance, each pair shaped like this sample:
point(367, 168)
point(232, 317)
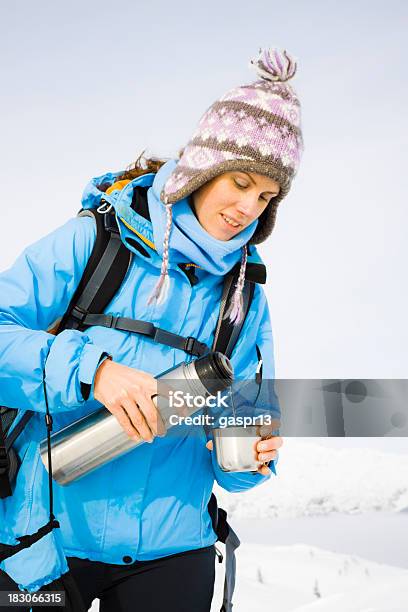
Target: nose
point(248, 206)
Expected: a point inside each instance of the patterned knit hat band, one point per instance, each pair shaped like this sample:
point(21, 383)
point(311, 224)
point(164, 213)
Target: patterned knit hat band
point(253, 127)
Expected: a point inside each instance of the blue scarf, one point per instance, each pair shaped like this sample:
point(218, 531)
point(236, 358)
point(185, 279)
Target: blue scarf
point(189, 241)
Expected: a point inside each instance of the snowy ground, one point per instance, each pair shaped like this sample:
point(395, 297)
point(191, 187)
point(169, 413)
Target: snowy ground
point(300, 578)
point(314, 480)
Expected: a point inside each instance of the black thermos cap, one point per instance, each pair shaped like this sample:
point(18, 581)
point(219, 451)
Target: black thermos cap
point(214, 371)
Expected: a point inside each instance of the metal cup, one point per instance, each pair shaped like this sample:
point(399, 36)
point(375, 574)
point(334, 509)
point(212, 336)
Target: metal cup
point(235, 448)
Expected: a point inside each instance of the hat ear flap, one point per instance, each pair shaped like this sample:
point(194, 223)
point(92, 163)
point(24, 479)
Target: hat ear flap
point(266, 223)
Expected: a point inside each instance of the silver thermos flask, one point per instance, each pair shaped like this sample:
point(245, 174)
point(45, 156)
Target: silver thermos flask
point(97, 438)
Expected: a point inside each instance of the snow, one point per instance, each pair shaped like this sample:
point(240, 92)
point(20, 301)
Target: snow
point(388, 596)
point(301, 578)
point(314, 480)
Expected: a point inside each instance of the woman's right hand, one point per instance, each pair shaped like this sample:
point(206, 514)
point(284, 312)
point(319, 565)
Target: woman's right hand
point(127, 394)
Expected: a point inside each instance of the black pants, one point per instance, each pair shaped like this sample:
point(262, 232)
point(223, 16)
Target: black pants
point(178, 583)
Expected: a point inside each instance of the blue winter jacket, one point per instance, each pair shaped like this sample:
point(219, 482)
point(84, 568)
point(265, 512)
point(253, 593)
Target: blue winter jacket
point(152, 502)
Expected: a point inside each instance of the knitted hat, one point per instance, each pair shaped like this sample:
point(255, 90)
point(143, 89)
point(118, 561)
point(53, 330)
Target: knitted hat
point(253, 127)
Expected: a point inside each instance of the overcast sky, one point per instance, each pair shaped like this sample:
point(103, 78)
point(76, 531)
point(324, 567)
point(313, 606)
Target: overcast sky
point(88, 85)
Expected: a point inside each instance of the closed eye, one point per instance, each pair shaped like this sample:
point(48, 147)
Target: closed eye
point(245, 185)
point(240, 185)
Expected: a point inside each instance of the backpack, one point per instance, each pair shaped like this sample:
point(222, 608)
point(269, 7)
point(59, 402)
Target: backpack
point(103, 275)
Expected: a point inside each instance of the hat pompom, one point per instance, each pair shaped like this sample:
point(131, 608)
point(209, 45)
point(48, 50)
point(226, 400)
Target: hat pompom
point(274, 65)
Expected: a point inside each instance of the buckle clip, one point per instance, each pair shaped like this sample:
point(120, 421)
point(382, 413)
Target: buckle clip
point(193, 347)
point(48, 421)
point(79, 313)
point(189, 345)
point(110, 321)
point(219, 555)
point(110, 223)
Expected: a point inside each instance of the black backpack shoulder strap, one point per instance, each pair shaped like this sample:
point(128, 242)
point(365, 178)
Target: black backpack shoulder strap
point(226, 333)
point(103, 274)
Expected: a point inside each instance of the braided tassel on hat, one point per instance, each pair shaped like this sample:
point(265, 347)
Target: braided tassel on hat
point(161, 290)
point(236, 310)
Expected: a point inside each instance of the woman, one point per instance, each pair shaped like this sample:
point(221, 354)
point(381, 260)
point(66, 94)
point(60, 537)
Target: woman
point(138, 528)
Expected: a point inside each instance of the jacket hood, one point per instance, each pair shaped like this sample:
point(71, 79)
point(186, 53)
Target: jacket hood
point(189, 241)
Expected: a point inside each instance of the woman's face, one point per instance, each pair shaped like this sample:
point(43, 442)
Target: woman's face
point(228, 203)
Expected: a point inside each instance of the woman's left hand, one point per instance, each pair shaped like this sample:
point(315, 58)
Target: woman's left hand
point(266, 450)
